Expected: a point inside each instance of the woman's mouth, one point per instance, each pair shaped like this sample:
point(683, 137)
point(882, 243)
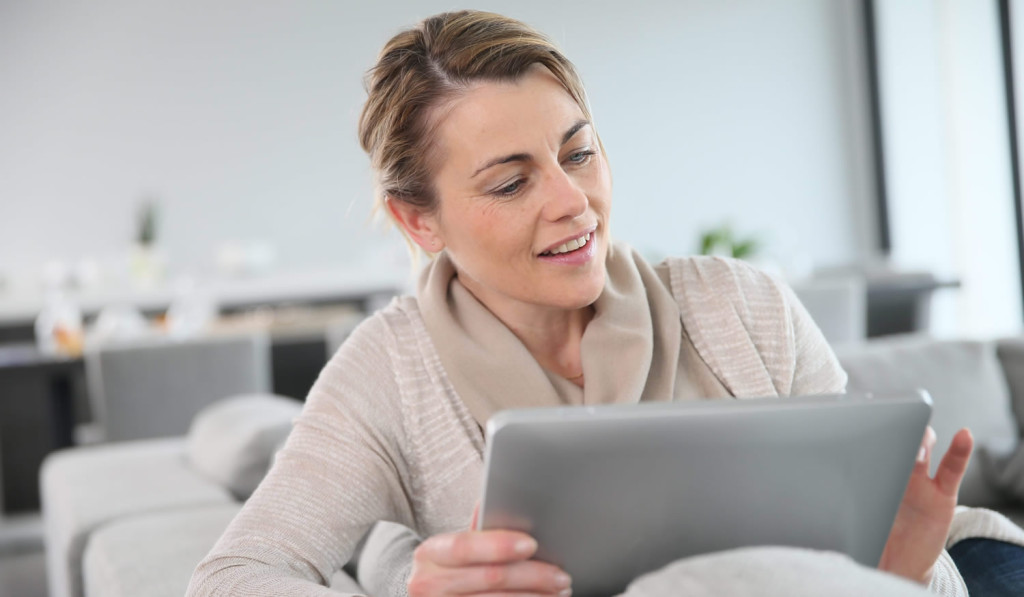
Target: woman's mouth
point(569, 246)
point(573, 253)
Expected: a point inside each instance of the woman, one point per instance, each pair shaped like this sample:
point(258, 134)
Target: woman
point(488, 158)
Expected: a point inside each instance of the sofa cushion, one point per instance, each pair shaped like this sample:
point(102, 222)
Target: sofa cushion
point(152, 555)
point(1011, 356)
point(966, 384)
point(233, 441)
point(84, 488)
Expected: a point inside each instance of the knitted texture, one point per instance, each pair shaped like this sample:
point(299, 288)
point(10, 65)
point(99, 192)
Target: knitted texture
point(384, 435)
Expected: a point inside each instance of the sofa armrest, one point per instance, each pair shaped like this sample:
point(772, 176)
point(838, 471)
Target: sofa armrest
point(85, 488)
point(385, 558)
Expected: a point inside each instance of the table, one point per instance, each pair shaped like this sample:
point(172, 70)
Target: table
point(362, 286)
point(43, 397)
point(37, 416)
point(902, 305)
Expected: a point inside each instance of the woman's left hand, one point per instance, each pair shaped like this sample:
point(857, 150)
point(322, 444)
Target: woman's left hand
point(922, 523)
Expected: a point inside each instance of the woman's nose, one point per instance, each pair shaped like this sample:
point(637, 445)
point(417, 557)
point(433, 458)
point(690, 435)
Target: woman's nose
point(564, 198)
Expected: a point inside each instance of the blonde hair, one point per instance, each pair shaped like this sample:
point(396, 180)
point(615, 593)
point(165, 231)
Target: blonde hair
point(429, 64)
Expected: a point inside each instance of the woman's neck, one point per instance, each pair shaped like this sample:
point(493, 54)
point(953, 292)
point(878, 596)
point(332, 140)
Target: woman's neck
point(556, 342)
point(552, 335)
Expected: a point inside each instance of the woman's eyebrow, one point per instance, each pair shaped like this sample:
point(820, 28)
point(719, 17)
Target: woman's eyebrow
point(573, 130)
point(525, 157)
point(515, 157)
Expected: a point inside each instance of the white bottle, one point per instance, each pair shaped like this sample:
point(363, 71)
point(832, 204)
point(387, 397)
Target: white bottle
point(192, 310)
point(59, 325)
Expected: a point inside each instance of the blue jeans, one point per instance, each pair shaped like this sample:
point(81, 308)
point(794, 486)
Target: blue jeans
point(990, 568)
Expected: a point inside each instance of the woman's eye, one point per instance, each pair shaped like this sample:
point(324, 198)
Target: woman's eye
point(581, 157)
point(510, 189)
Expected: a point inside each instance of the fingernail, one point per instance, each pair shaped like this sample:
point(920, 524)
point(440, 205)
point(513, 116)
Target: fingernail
point(565, 593)
point(441, 543)
point(921, 454)
point(562, 581)
point(525, 546)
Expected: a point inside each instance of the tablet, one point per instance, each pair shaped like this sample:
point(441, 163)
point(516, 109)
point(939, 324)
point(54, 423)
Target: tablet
point(613, 492)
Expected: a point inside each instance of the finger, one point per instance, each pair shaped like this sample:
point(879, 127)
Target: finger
point(520, 577)
point(924, 454)
point(477, 547)
point(954, 463)
point(476, 517)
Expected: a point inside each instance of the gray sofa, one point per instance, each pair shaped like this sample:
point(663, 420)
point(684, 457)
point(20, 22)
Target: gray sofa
point(134, 518)
point(974, 384)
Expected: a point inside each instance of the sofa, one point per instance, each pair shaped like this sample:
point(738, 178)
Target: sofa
point(135, 518)
point(973, 383)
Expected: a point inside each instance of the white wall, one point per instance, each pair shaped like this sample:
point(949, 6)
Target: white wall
point(240, 116)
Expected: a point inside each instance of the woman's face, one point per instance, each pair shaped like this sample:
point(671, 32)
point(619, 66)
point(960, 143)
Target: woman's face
point(522, 183)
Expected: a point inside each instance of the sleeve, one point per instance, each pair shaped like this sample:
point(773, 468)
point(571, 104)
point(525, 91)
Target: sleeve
point(946, 579)
point(982, 522)
point(340, 471)
point(968, 523)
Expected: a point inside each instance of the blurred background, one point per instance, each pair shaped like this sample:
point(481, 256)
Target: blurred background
point(187, 170)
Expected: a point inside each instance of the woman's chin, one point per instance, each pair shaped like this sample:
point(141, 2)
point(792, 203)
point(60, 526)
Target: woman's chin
point(579, 297)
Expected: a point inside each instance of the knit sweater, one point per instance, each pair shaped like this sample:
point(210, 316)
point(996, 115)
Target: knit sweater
point(384, 435)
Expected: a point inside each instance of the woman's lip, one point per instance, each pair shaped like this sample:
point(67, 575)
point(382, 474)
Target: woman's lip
point(574, 258)
point(589, 231)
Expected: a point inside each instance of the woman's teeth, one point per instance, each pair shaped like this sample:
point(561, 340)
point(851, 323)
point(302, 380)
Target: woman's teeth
point(572, 245)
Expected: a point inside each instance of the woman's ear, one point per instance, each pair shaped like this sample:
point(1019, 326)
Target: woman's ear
point(419, 225)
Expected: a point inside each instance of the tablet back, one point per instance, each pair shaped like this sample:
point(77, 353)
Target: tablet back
point(612, 492)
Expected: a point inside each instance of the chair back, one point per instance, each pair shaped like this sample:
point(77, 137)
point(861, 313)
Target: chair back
point(154, 388)
point(838, 304)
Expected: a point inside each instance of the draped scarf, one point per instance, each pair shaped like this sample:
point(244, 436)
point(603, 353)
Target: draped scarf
point(630, 349)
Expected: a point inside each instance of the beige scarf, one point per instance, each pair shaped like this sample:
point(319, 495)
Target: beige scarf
point(630, 349)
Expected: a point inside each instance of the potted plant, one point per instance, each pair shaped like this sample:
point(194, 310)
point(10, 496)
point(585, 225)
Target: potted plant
point(146, 262)
point(724, 242)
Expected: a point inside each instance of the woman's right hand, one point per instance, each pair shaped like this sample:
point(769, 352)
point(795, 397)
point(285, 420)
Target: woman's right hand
point(483, 563)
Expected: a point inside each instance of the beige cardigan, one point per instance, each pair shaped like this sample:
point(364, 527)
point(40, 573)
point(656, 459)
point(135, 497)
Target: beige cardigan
point(384, 436)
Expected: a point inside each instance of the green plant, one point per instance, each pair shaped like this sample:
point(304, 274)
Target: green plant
point(147, 218)
point(723, 241)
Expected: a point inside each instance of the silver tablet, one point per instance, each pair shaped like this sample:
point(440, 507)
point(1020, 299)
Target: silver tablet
point(613, 492)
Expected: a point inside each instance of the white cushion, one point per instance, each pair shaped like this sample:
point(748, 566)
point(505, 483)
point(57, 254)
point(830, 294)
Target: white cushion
point(233, 441)
point(771, 572)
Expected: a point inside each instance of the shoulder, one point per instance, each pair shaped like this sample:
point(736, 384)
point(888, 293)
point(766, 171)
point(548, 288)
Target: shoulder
point(751, 328)
point(697, 281)
point(369, 365)
point(384, 333)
